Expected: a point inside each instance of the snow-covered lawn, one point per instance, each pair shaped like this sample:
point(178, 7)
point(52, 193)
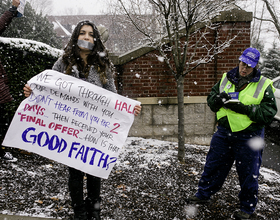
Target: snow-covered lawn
point(147, 182)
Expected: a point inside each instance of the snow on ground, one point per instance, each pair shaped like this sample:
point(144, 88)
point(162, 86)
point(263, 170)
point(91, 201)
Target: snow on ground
point(31, 45)
point(147, 182)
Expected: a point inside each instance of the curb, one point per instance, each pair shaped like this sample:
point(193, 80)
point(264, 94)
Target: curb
point(16, 217)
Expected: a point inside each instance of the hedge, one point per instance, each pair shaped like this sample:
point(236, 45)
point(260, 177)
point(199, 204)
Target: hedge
point(22, 59)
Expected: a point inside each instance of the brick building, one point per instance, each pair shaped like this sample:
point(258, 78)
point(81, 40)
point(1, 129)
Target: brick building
point(142, 76)
point(123, 36)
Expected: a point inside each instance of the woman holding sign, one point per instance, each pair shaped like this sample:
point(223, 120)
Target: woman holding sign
point(85, 57)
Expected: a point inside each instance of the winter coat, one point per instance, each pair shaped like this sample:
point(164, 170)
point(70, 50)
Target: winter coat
point(261, 114)
point(93, 76)
point(5, 95)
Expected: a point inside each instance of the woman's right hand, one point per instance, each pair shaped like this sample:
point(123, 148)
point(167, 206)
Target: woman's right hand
point(27, 90)
point(16, 3)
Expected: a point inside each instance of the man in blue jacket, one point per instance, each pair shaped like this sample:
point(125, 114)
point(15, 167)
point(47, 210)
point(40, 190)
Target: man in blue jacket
point(244, 103)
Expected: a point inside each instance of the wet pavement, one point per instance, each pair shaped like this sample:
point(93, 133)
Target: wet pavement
point(271, 154)
point(14, 217)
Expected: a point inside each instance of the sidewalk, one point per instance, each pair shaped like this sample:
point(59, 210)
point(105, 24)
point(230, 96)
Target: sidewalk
point(15, 217)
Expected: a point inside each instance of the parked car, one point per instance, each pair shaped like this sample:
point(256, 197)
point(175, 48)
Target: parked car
point(276, 84)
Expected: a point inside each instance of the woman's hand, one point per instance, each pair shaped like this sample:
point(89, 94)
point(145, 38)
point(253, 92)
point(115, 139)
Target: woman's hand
point(27, 90)
point(137, 110)
point(16, 3)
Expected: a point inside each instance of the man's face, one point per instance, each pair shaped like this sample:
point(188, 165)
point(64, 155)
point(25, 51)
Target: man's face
point(244, 69)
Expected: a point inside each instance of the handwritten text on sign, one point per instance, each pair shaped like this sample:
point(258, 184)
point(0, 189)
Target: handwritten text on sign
point(73, 122)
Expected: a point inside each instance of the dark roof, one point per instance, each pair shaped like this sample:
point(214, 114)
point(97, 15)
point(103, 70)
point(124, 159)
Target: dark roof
point(122, 36)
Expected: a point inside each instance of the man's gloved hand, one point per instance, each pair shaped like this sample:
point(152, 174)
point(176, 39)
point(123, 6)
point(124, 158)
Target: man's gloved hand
point(238, 107)
point(221, 99)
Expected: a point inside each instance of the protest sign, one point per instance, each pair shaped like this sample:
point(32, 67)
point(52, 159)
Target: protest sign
point(73, 122)
point(20, 8)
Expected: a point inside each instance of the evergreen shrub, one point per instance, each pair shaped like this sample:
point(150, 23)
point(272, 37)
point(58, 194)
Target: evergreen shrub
point(22, 59)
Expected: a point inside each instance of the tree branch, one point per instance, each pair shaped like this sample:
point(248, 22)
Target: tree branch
point(272, 14)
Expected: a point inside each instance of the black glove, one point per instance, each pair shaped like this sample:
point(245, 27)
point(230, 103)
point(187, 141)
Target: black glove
point(13, 9)
point(221, 99)
point(238, 107)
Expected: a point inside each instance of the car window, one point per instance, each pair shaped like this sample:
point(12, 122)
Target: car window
point(276, 84)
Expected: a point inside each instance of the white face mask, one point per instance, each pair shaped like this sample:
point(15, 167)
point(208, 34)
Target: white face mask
point(85, 44)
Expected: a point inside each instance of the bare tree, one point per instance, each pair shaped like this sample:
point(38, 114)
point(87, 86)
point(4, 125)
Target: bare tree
point(256, 26)
point(174, 28)
point(74, 11)
point(273, 13)
point(266, 23)
point(42, 6)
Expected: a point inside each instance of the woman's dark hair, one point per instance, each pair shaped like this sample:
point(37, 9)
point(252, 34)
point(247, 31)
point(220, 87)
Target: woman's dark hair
point(97, 57)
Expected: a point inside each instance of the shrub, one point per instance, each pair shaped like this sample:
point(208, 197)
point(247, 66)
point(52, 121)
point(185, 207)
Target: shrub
point(22, 59)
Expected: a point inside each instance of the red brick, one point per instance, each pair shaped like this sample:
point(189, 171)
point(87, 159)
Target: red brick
point(157, 80)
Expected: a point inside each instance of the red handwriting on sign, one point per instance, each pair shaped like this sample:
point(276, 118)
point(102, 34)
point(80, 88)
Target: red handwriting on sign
point(64, 129)
point(34, 108)
point(34, 119)
point(123, 106)
point(117, 125)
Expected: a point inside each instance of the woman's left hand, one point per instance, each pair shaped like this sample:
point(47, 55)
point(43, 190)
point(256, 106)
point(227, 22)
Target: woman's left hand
point(27, 90)
point(137, 110)
point(16, 3)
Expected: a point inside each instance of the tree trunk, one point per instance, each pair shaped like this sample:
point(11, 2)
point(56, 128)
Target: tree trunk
point(181, 119)
point(274, 17)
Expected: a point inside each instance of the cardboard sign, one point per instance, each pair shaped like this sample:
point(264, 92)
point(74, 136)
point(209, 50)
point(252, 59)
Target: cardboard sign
point(20, 8)
point(73, 122)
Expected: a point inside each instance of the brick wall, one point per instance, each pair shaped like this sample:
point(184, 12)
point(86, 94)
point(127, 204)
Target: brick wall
point(147, 76)
point(144, 77)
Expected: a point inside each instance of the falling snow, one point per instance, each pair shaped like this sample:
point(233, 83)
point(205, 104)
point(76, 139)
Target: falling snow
point(256, 143)
point(160, 59)
point(146, 183)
